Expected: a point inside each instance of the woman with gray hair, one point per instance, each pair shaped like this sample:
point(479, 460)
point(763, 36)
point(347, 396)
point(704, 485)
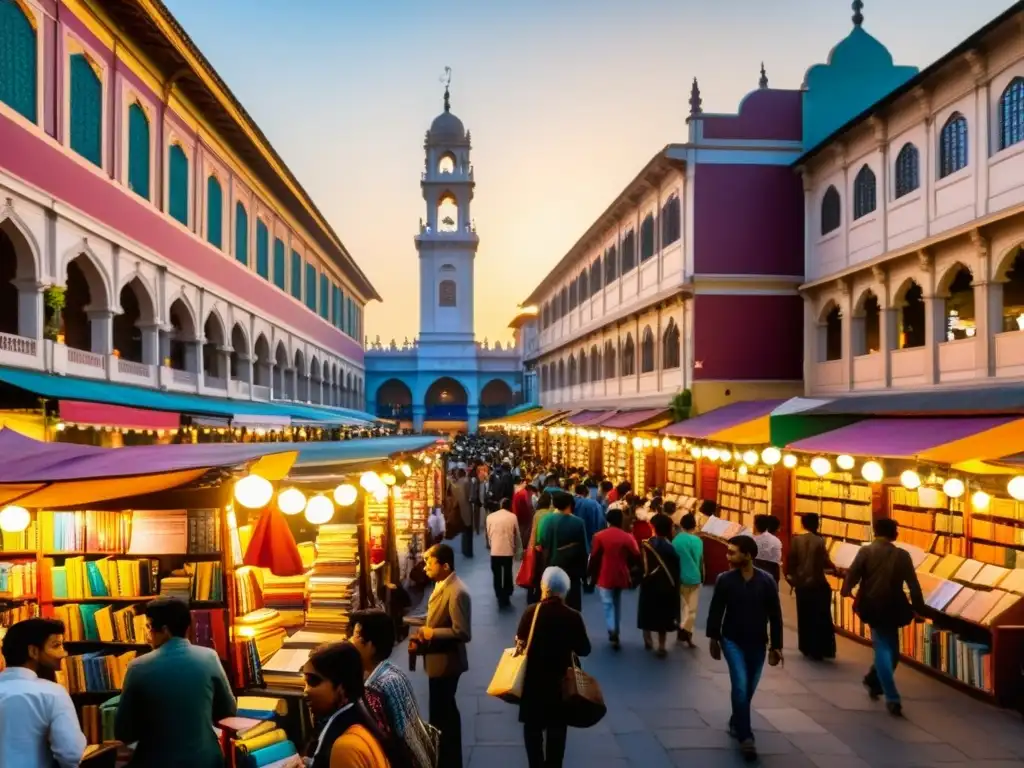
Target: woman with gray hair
point(557, 632)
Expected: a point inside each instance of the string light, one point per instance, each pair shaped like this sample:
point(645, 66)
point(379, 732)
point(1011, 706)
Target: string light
point(954, 487)
point(253, 491)
point(319, 510)
point(872, 472)
point(291, 501)
point(1016, 487)
point(910, 480)
point(980, 500)
point(845, 462)
point(820, 466)
point(789, 461)
point(14, 519)
point(771, 455)
point(345, 495)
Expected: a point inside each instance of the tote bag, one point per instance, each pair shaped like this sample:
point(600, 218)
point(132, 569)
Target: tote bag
point(582, 700)
point(507, 683)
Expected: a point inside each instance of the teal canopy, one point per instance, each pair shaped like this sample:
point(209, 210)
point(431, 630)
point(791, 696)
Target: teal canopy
point(363, 450)
point(110, 393)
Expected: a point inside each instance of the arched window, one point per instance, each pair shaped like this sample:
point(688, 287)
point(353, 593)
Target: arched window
point(242, 236)
point(447, 163)
point(138, 151)
point(583, 286)
point(595, 276)
point(280, 272)
point(573, 294)
point(953, 145)
point(545, 317)
point(670, 347)
point(1011, 114)
point(908, 170)
point(18, 61)
point(214, 212)
point(628, 252)
point(671, 221)
point(864, 197)
point(561, 374)
point(86, 110)
point(647, 351)
point(647, 238)
point(447, 213)
point(595, 364)
point(629, 356)
point(263, 249)
point(830, 211)
point(611, 265)
point(584, 371)
point(563, 303)
point(446, 293)
point(177, 184)
point(609, 360)
point(572, 370)
point(296, 275)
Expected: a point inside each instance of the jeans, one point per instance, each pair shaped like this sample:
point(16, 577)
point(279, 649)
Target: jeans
point(444, 715)
point(745, 665)
point(611, 599)
point(501, 568)
point(533, 735)
point(886, 642)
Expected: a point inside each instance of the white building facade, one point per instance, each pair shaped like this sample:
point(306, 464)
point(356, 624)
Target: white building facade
point(915, 222)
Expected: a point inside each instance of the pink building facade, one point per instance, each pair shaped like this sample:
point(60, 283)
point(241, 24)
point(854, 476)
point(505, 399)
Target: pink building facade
point(138, 193)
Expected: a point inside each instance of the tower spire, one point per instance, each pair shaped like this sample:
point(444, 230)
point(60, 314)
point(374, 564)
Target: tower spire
point(446, 78)
point(858, 17)
point(695, 100)
point(763, 82)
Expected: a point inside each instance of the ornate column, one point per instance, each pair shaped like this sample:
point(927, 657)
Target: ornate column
point(101, 326)
point(846, 318)
point(419, 413)
point(934, 316)
point(988, 307)
point(151, 346)
point(887, 328)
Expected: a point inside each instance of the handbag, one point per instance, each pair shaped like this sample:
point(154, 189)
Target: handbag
point(527, 569)
point(582, 701)
point(507, 683)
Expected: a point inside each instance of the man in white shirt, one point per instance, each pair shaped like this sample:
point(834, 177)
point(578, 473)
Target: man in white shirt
point(769, 547)
point(506, 545)
point(38, 723)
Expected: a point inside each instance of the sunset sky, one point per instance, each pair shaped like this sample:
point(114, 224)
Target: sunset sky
point(566, 101)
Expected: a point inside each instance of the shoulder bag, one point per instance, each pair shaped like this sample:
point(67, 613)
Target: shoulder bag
point(507, 683)
point(665, 570)
point(582, 700)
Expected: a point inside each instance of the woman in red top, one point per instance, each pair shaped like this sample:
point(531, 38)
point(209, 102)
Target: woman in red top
point(612, 552)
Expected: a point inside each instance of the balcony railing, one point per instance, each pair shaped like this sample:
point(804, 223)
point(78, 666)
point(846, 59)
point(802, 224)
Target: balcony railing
point(399, 412)
point(447, 413)
point(18, 345)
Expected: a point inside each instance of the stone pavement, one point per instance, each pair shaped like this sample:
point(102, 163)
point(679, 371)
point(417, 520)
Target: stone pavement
point(673, 712)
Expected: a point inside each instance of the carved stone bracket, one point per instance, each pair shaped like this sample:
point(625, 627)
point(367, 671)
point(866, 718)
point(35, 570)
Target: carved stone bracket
point(925, 260)
point(983, 253)
point(843, 285)
point(979, 67)
point(879, 130)
point(880, 275)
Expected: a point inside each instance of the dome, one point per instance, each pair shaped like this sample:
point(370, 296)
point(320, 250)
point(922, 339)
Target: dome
point(447, 128)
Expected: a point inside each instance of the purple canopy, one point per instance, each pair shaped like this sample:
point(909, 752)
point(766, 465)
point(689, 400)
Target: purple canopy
point(708, 424)
point(30, 461)
point(898, 438)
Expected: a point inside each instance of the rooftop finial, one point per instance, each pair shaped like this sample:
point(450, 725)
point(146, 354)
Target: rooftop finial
point(446, 78)
point(695, 101)
point(763, 82)
point(858, 17)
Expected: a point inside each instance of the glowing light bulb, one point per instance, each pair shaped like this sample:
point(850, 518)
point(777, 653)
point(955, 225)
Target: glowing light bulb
point(771, 455)
point(750, 458)
point(319, 510)
point(954, 487)
point(980, 500)
point(1016, 487)
point(345, 495)
point(695, 452)
point(820, 466)
point(291, 501)
point(369, 481)
point(253, 491)
point(14, 519)
point(910, 480)
point(789, 461)
point(845, 462)
point(872, 472)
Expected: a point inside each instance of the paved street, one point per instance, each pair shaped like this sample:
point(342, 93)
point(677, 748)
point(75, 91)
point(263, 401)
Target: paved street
point(673, 712)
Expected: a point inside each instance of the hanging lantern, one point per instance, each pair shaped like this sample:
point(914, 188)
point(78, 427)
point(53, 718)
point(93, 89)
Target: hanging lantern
point(820, 466)
point(319, 510)
point(954, 487)
point(388, 479)
point(980, 500)
point(345, 495)
point(789, 461)
point(14, 519)
point(750, 458)
point(369, 481)
point(253, 491)
point(910, 480)
point(291, 501)
point(1016, 487)
point(872, 472)
point(695, 452)
point(845, 462)
point(771, 455)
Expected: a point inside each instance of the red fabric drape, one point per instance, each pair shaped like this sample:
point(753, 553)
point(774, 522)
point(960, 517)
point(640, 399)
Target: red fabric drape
point(273, 545)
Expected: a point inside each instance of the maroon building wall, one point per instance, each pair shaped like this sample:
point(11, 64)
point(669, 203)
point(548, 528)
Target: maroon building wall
point(764, 115)
point(748, 337)
point(749, 220)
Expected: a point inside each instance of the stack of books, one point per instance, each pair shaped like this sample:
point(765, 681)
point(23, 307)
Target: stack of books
point(334, 582)
point(286, 594)
point(254, 737)
point(262, 626)
point(18, 579)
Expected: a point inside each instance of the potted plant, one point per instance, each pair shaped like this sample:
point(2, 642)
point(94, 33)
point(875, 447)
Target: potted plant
point(681, 405)
point(54, 296)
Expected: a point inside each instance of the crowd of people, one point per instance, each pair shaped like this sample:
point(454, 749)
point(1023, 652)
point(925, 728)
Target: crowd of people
point(572, 533)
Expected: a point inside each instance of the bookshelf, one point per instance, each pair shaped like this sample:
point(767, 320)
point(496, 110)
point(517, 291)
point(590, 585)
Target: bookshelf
point(929, 519)
point(846, 506)
point(616, 465)
point(996, 534)
point(971, 637)
point(680, 476)
point(578, 451)
point(742, 495)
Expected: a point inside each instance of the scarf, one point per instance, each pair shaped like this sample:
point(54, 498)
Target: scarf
point(403, 716)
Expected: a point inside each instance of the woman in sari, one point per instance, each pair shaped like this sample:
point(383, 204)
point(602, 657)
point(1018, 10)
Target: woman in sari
point(387, 691)
point(658, 610)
